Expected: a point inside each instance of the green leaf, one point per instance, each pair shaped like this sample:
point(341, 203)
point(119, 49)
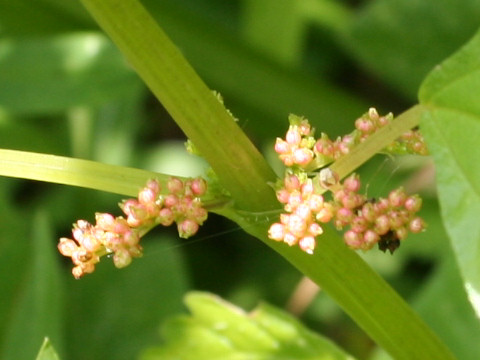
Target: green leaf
point(47, 351)
point(458, 326)
point(219, 330)
point(114, 313)
point(253, 87)
point(400, 41)
point(24, 17)
point(50, 74)
point(452, 129)
point(37, 310)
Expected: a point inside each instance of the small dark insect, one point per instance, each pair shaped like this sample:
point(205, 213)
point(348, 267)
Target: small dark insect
point(389, 242)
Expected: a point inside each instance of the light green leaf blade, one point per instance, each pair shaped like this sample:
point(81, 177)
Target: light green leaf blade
point(218, 330)
point(38, 309)
point(47, 352)
point(452, 129)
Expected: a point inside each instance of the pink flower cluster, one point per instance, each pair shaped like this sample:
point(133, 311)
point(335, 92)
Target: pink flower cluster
point(385, 221)
point(411, 142)
point(296, 149)
point(382, 221)
point(368, 222)
point(300, 147)
point(304, 211)
point(120, 236)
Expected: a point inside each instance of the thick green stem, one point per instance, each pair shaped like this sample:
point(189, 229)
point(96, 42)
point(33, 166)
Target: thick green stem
point(239, 166)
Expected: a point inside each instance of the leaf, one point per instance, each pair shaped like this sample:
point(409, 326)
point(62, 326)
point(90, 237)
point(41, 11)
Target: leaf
point(23, 17)
point(400, 41)
point(50, 74)
point(451, 126)
point(47, 352)
point(37, 310)
point(114, 313)
point(219, 330)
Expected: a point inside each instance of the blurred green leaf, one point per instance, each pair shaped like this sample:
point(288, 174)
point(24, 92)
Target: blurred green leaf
point(24, 17)
point(400, 40)
point(452, 129)
point(219, 330)
point(37, 311)
point(257, 90)
point(50, 74)
point(457, 325)
point(115, 313)
point(14, 255)
point(47, 352)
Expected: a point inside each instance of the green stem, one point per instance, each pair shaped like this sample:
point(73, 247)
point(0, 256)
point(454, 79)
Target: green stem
point(88, 174)
point(238, 164)
point(241, 169)
point(378, 141)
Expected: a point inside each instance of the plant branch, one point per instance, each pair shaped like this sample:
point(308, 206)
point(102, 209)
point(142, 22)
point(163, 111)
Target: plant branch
point(241, 169)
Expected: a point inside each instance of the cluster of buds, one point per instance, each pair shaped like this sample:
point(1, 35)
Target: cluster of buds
point(120, 236)
point(383, 221)
point(296, 149)
point(304, 211)
point(367, 222)
point(328, 150)
point(411, 142)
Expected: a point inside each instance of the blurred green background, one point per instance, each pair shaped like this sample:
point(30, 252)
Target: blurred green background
point(66, 90)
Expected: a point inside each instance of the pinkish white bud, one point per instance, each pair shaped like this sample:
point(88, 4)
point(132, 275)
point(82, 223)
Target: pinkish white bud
point(187, 228)
point(171, 200)
point(370, 238)
point(294, 200)
point(315, 229)
point(302, 156)
point(282, 196)
point(315, 202)
point(67, 247)
point(345, 215)
point(104, 221)
point(293, 136)
point(296, 225)
point(122, 258)
point(382, 225)
point(325, 214)
point(276, 232)
point(147, 196)
point(397, 197)
point(352, 183)
point(307, 244)
point(175, 185)
point(292, 182)
point(307, 188)
point(359, 224)
point(199, 186)
point(417, 225)
point(352, 239)
point(290, 239)
point(281, 146)
point(154, 185)
point(165, 217)
point(303, 211)
point(413, 203)
point(131, 238)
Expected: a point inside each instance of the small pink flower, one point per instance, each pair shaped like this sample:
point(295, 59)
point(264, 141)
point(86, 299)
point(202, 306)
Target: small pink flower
point(307, 244)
